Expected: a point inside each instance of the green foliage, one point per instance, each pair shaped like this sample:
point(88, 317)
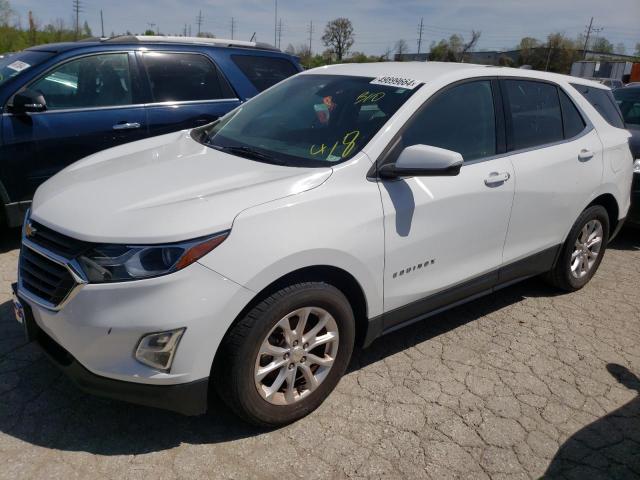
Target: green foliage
point(338, 36)
point(14, 38)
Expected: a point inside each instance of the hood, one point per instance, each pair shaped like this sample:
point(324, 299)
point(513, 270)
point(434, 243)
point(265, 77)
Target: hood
point(162, 189)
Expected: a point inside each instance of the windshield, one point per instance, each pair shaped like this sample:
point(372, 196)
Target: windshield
point(12, 64)
point(628, 99)
point(309, 120)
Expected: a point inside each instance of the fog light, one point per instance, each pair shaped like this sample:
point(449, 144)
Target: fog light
point(158, 349)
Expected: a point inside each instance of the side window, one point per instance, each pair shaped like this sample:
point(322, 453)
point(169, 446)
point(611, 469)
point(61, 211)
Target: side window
point(602, 100)
point(93, 81)
point(264, 72)
point(461, 119)
point(179, 77)
point(533, 114)
point(572, 121)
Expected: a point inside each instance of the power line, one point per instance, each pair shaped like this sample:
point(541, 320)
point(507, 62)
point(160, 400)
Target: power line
point(420, 30)
point(199, 20)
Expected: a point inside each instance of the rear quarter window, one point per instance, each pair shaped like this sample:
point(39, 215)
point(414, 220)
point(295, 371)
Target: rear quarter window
point(264, 72)
point(603, 101)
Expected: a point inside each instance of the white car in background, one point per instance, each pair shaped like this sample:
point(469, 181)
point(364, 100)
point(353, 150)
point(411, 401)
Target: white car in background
point(251, 255)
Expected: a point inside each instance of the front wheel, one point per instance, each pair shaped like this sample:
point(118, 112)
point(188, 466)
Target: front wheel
point(583, 250)
point(281, 360)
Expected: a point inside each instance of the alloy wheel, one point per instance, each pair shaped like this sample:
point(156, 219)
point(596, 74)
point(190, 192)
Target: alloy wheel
point(586, 249)
point(296, 355)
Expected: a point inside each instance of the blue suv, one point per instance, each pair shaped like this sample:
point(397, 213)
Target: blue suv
point(61, 102)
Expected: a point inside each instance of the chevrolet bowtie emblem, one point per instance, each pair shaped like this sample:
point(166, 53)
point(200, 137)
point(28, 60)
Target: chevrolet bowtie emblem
point(29, 230)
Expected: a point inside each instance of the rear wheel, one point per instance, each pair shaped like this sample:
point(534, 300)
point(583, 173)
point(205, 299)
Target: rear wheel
point(583, 250)
point(281, 360)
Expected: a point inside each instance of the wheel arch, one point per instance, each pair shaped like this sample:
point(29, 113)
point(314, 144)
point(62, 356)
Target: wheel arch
point(338, 277)
point(610, 204)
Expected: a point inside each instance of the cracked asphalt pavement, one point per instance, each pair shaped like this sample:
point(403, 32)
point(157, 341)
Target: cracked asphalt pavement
point(523, 383)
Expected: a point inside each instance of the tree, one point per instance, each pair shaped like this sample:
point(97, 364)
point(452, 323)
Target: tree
point(528, 50)
point(401, 49)
point(338, 36)
point(620, 49)
point(602, 45)
point(470, 45)
point(86, 30)
point(148, 31)
point(455, 49)
point(637, 52)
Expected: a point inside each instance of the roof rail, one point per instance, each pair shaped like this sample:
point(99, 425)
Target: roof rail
point(219, 42)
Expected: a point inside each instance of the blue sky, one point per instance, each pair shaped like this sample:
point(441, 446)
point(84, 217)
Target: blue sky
point(378, 24)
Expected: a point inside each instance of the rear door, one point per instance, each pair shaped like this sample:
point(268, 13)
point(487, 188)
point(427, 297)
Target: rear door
point(92, 104)
point(186, 90)
point(557, 160)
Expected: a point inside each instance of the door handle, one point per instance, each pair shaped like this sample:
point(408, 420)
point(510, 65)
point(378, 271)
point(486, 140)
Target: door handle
point(126, 126)
point(496, 178)
point(585, 155)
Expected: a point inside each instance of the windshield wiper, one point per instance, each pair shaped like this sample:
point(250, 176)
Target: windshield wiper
point(248, 152)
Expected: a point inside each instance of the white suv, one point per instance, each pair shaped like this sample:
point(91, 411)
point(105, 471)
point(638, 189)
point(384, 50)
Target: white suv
point(252, 254)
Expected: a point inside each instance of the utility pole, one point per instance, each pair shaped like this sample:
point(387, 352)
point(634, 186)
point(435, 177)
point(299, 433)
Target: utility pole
point(102, 23)
point(233, 26)
point(77, 8)
point(185, 30)
point(275, 28)
point(590, 28)
point(420, 30)
point(151, 25)
point(310, 36)
point(189, 30)
point(279, 32)
point(199, 20)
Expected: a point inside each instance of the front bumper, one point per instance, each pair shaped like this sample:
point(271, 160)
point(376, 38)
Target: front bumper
point(94, 336)
point(186, 398)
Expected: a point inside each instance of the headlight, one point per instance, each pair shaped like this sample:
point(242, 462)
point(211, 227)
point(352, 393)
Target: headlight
point(120, 263)
point(636, 166)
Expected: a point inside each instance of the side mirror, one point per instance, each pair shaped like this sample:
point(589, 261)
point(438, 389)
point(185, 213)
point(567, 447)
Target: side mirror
point(423, 161)
point(28, 101)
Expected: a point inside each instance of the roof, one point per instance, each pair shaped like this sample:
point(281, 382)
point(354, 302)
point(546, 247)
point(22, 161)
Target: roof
point(429, 71)
point(157, 39)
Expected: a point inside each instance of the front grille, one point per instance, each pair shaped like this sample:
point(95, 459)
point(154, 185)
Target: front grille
point(44, 278)
point(56, 242)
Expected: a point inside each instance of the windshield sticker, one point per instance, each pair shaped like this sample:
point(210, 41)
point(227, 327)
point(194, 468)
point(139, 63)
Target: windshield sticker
point(18, 66)
point(390, 81)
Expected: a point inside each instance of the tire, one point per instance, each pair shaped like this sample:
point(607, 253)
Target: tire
point(240, 362)
point(571, 279)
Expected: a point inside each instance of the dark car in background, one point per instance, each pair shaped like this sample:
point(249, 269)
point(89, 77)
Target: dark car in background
point(62, 102)
point(628, 99)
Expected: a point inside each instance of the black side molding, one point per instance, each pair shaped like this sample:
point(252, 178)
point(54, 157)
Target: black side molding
point(462, 293)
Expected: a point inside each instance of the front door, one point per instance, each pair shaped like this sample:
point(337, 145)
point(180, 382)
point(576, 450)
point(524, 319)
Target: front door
point(91, 106)
point(443, 232)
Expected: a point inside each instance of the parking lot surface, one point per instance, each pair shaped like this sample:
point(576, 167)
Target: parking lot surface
point(523, 383)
